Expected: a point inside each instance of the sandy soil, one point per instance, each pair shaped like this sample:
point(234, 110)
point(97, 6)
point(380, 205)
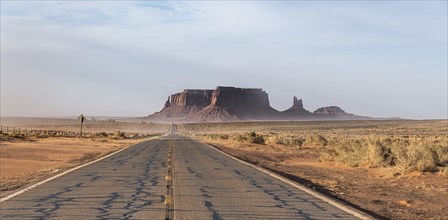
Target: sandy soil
point(26, 162)
point(376, 191)
point(67, 124)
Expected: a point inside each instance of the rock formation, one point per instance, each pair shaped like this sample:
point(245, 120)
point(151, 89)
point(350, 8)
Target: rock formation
point(330, 110)
point(230, 103)
point(237, 104)
point(184, 104)
point(296, 109)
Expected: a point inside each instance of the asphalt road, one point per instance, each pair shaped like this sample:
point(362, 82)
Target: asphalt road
point(134, 184)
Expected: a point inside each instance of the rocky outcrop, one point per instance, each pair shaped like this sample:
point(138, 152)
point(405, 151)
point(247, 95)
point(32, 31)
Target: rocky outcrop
point(184, 104)
point(330, 110)
point(230, 103)
point(190, 97)
point(296, 109)
point(237, 104)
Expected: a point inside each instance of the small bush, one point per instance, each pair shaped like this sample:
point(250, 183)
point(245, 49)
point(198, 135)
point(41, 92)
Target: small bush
point(351, 153)
point(417, 156)
point(378, 155)
point(257, 140)
point(297, 141)
point(240, 138)
point(315, 141)
point(271, 140)
point(250, 137)
point(327, 155)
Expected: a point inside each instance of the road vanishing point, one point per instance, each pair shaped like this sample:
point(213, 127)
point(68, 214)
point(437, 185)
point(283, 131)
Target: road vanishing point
point(171, 177)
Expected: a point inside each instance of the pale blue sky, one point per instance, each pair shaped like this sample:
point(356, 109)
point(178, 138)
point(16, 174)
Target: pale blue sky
point(374, 58)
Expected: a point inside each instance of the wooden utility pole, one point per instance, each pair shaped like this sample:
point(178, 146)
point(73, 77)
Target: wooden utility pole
point(81, 118)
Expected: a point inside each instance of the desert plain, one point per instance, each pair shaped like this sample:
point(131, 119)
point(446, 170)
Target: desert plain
point(391, 169)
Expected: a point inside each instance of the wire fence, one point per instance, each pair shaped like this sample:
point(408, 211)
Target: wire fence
point(14, 130)
point(18, 132)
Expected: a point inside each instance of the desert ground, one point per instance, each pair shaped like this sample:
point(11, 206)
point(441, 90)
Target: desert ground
point(36, 148)
point(394, 169)
point(391, 169)
point(98, 124)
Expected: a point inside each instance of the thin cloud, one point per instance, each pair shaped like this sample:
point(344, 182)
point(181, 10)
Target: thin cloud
point(351, 54)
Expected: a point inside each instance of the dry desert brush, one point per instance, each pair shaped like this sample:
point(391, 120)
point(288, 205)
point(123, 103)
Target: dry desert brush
point(406, 154)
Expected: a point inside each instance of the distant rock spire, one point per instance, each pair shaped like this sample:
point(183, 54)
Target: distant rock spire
point(297, 103)
point(167, 103)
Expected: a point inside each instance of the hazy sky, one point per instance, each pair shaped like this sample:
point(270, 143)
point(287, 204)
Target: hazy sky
point(374, 58)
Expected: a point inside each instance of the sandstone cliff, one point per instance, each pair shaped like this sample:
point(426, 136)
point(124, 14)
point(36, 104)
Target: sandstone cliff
point(230, 103)
point(237, 104)
point(184, 104)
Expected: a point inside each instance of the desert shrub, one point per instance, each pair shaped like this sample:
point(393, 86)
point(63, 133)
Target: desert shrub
point(250, 137)
point(358, 152)
point(285, 140)
point(440, 148)
point(282, 140)
point(240, 138)
point(352, 153)
point(415, 155)
point(254, 138)
point(315, 141)
point(327, 154)
point(257, 140)
point(405, 154)
point(101, 134)
point(18, 135)
point(133, 136)
point(296, 141)
point(379, 154)
point(119, 135)
point(271, 139)
point(224, 136)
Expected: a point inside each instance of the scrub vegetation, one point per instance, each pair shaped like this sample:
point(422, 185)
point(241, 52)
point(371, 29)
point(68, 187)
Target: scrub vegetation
point(405, 145)
point(395, 169)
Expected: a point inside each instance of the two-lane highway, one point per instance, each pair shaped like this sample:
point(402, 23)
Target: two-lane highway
point(134, 184)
